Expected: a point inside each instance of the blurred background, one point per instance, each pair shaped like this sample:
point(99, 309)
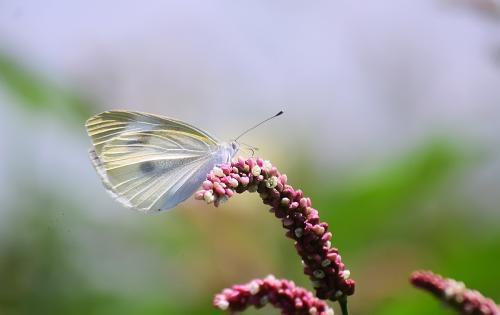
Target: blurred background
point(392, 127)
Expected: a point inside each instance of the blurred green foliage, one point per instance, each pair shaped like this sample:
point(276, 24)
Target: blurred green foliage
point(36, 92)
point(387, 195)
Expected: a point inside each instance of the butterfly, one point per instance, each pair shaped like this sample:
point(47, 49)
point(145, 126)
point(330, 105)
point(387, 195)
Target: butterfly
point(152, 163)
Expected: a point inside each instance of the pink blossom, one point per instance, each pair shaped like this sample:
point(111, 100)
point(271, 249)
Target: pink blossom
point(282, 294)
point(455, 294)
point(322, 262)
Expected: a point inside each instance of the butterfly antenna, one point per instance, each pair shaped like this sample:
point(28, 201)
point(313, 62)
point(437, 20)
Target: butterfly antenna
point(252, 128)
point(249, 146)
point(251, 150)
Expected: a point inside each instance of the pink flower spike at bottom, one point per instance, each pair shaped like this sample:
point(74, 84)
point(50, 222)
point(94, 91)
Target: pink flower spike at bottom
point(282, 294)
point(455, 294)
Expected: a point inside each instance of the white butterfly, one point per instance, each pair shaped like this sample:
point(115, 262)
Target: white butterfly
point(152, 163)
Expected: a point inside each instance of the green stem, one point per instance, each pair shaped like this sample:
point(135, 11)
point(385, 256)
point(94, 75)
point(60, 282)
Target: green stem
point(343, 305)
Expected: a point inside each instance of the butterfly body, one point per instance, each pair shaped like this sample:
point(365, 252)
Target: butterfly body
point(152, 163)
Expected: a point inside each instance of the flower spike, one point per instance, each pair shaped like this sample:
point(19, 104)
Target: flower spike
point(455, 294)
point(322, 262)
point(282, 294)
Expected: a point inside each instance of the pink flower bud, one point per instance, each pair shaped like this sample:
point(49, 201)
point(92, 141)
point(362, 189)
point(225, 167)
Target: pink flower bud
point(207, 185)
point(199, 195)
point(232, 182)
point(244, 181)
point(219, 189)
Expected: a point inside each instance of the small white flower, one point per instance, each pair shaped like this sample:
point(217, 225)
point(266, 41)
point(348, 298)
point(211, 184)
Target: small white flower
point(453, 288)
point(313, 311)
point(346, 274)
point(460, 286)
point(272, 182)
point(222, 304)
point(256, 170)
point(218, 172)
point(233, 182)
point(209, 196)
point(253, 287)
point(267, 166)
point(329, 311)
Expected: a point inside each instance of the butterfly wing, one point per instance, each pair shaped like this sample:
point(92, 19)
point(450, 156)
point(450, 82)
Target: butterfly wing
point(105, 126)
point(148, 162)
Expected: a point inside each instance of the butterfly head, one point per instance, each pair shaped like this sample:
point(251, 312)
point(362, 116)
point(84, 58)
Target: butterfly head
point(229, 150)
point(235, 146)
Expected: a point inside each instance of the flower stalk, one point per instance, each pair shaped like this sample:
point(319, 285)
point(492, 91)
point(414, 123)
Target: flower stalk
point(322, 262)
point(343, 305)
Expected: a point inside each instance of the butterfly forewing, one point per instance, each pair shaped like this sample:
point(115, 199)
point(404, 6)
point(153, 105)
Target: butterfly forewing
point(108, 125)
point(149, 162)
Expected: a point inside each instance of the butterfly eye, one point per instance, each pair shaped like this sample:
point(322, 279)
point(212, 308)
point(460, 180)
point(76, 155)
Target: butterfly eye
point(234, 145)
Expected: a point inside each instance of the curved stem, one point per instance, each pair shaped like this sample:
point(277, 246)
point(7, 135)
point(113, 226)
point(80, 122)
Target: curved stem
point(343, 305)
